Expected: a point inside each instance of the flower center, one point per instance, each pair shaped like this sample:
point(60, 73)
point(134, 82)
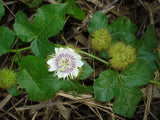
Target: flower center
point(64, 65)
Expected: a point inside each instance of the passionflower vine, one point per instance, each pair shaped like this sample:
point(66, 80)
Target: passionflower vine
point(66, 63)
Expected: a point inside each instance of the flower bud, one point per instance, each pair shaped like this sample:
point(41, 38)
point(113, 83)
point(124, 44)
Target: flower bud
point(101, 40)
point(7, 78)
point(121, 55)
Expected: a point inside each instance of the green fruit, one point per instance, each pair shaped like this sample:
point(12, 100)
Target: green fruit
point(101, 40)
point(121, 55)
point(7, 78)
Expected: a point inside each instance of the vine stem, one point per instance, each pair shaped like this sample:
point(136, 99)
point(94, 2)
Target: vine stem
point(90, 55)
point(155, 82)
point(19, 50)
point(12, 62)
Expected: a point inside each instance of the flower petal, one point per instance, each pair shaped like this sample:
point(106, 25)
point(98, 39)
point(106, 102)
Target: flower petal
point(60, 74)
point(75, 72)
point(52, 68)
point(51, 61)
point(79, 63)
point(56, 50)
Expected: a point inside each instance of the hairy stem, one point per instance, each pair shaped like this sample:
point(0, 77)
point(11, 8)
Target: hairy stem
point(19, 50)
point(92, 56)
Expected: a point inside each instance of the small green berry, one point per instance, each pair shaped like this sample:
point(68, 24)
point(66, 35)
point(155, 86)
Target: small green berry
point(121, 55)
point(101, 40)
point(7, 78)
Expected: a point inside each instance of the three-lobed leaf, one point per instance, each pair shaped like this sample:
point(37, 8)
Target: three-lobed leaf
point(124, 30)
point(7, 37)
point(48, 21)
point(123, 87)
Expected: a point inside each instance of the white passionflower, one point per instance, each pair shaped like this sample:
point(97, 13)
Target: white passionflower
point(65, 62)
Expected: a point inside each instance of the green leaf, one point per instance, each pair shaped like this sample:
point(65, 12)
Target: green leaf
point(149, 41)
point(104, 54)
point(48, 21)
point(2, 10)
point(74, 10)
point(122, 24)
point(35, 79)
point(149, 58)
point(146, 46)
point(123, 29)
point(126, 100)
point(124, 87)
point(104, 86)
point(137, 74)
point(98, 21)
point(34, 3)
point(51, 84)
point(128, 38)
point(42, 47)
point(31, 86)
point(7, 37)
point(86, 70)
point(13, 90)
point(68, 85)
point(24, 29)
point(129, 26)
